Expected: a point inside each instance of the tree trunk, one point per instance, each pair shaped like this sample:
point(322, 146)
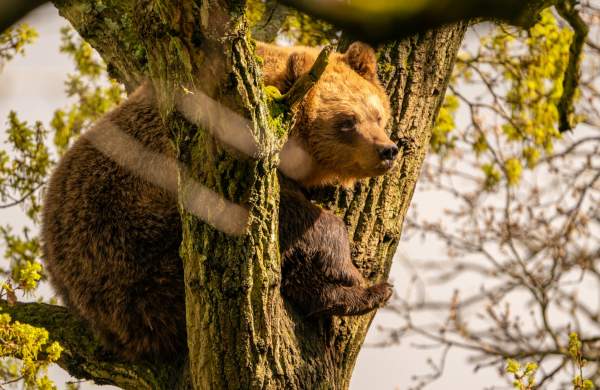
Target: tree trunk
point(241, 333)
point(415, 73)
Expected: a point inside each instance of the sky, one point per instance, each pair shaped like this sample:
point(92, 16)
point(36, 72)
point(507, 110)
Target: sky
point(33, 86)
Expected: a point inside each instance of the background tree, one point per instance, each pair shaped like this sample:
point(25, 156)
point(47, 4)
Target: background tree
point(188, 45)
point(521, 213)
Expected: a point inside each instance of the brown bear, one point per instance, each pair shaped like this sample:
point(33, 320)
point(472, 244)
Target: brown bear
point(111, 236)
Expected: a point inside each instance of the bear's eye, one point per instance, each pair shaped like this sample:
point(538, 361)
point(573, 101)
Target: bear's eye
point(347, 124)
point(379, 120)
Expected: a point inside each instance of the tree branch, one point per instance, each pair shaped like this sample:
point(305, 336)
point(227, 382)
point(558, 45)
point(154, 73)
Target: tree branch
point(13, 10)
point(344, 42)
point(565, 107)
point(376, 21)
point(271, 21)
point(83, 357)
point(303, 85)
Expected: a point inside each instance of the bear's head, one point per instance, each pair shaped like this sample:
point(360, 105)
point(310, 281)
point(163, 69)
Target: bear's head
point(341, 122)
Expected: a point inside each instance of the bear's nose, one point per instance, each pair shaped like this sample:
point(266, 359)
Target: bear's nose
point(388, 152)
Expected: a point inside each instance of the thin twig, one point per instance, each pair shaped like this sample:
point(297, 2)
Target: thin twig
point(304, 84)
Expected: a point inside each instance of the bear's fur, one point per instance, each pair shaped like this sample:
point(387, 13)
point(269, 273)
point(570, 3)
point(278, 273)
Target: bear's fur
point(111, 238)
point(341, 122)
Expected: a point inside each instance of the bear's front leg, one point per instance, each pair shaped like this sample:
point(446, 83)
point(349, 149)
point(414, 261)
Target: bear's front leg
point(312, 238)
point(306, 284)
point(318, 273)
point(350, 301)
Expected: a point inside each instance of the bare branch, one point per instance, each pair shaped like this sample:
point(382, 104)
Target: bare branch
point(22, 198)
point(304, 84)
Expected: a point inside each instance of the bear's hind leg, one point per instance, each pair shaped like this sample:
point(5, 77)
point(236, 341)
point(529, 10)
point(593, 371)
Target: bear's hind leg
point(151, 326)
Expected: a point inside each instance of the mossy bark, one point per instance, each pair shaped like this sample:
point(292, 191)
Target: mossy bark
point(83, 356)
point(241, 333)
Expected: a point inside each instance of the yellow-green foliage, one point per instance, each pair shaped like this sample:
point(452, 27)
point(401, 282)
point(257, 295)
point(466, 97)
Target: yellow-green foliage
point(524, 70)
point(441, 138)
point(492, 175)
point(575, 352)
point(480, 145)
point(308, 31)
point(26, 170)
point(22, 173)
point(26, 161)
point(531, 156)
point(524, 377)
point(14, 40)
point(94, 98)
point(27, 274)
point(31, 345)
point(512, 170)
point(254, 11)
point(535, 80)
point(533, 65)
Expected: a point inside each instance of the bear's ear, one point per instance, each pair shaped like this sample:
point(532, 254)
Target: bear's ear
point(298, 63)
point(361, 58)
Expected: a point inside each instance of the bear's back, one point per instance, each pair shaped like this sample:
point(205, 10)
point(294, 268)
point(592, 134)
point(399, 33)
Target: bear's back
point(106, 231)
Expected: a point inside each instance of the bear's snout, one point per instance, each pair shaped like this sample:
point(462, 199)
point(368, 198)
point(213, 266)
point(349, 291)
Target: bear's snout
point(388, 152)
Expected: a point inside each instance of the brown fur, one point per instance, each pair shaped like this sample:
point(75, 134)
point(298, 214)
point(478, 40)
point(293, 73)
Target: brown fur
point(318, 275)
point(111, 239)
point(341, 94)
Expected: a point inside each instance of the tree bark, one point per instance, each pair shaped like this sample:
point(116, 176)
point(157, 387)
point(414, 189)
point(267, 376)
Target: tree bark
point(83, 356)
point(241, 333)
